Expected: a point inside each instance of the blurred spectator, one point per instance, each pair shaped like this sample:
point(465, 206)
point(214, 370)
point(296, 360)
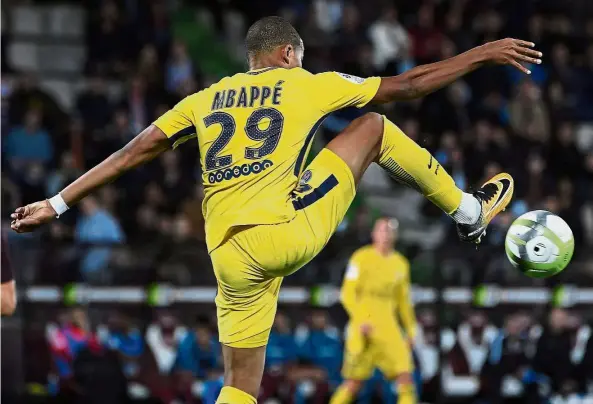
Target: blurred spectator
point(27, 96)
point(467, 355)
point(390, 39)
point(281, 359)
point(179, 67)
point(140, 104)
point(108, 40)
point(66, 340)
point(507, 371)
point(198, 352)
point(121, 336)
point(198, 362)
point(427, 346)
point(529, 114)
point(93, 104)
point(321, 346)
point(163, 337)
point(552, 357)
point(149, 68)
point(281, 351)
point(97, 227)
point(29, 143)
point(426, 38)
point(329, 13)
point(99, 377)
point(63, 175)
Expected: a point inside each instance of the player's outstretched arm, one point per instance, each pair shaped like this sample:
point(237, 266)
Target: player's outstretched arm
point(425, 79)
point(146, 146)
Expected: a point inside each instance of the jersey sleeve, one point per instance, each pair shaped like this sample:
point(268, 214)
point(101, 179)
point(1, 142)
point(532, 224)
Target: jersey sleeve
point(177, 123)
point(404, 302)
point(348, 294)
point(335, 90)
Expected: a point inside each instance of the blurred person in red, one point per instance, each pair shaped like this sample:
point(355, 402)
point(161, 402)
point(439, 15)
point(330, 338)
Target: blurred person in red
point(65, 342)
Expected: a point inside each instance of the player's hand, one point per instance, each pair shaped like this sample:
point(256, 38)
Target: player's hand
point(366, 329)
point(512, 52)
point(30, 217)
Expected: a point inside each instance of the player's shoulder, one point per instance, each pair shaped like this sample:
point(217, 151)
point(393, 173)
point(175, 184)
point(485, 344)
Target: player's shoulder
point(401, 258)
point(362, 252)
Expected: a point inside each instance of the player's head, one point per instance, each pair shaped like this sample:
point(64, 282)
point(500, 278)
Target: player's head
point(385, 232)
point(273, 41)
point(202, 330)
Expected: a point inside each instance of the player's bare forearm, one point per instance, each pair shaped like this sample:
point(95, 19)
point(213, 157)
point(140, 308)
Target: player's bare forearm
point(146, 146)
point(425, 79)
point(143, 148)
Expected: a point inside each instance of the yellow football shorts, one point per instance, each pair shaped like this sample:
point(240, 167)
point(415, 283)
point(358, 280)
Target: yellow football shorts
point(388, 351)
point(251, 263)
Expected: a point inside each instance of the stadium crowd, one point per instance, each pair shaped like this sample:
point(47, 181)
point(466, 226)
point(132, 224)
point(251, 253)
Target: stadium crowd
point(168, 361)
point(148, 226)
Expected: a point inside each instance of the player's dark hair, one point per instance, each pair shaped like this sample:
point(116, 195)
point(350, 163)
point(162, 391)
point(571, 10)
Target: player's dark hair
point(267, 33)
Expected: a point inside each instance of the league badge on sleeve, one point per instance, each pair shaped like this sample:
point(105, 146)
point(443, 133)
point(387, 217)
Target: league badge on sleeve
point(353, 79)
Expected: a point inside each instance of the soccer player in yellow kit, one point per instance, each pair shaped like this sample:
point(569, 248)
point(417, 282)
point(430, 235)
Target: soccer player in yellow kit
point(265, 216)
point(375, 292)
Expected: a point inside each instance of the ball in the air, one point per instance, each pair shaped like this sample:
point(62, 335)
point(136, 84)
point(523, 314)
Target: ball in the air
point(539, 243)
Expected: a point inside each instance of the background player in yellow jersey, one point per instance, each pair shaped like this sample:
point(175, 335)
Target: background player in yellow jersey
point(254, 131)
point(375, 293)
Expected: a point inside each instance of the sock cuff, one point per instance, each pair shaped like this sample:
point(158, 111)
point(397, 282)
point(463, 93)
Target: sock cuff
point(384, 144)
point(232, 395)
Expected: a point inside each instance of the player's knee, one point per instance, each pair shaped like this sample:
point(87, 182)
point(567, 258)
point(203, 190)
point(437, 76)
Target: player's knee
point(372, 122)
point(353, 386)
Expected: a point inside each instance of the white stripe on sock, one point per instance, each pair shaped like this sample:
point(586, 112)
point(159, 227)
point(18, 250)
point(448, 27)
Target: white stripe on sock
point(468, 211)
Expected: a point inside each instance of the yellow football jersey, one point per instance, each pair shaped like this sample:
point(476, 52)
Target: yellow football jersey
point(254, 131)
point(376, 290)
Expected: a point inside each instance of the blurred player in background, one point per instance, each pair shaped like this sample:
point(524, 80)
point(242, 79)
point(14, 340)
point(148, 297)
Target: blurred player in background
point(266, 214)
point(375, 291)
point(7, 285)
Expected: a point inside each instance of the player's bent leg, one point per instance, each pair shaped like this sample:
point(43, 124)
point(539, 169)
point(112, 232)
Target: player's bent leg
point(375, 138)
point(346, 392)
point(406, 390)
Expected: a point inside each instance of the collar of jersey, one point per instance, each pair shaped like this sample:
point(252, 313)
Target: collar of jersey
point(262, 70)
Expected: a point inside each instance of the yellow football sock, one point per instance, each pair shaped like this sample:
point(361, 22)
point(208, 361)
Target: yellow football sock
point(414, 166)
point(231, 395)
point(406, 393)
point(342, 395)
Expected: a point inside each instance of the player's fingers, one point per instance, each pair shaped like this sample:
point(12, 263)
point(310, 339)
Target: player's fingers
point(528, 59)
point(524, 43)
point(24, 225)
point(520, 67)
point(529, 52)
point(20, 210)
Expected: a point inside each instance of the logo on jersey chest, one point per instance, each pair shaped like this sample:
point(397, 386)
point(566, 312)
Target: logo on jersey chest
point(238, 171)
point(303, 185)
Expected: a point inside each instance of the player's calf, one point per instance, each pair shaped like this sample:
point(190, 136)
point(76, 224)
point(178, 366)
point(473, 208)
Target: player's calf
point(346, 392)
point(243, 370)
